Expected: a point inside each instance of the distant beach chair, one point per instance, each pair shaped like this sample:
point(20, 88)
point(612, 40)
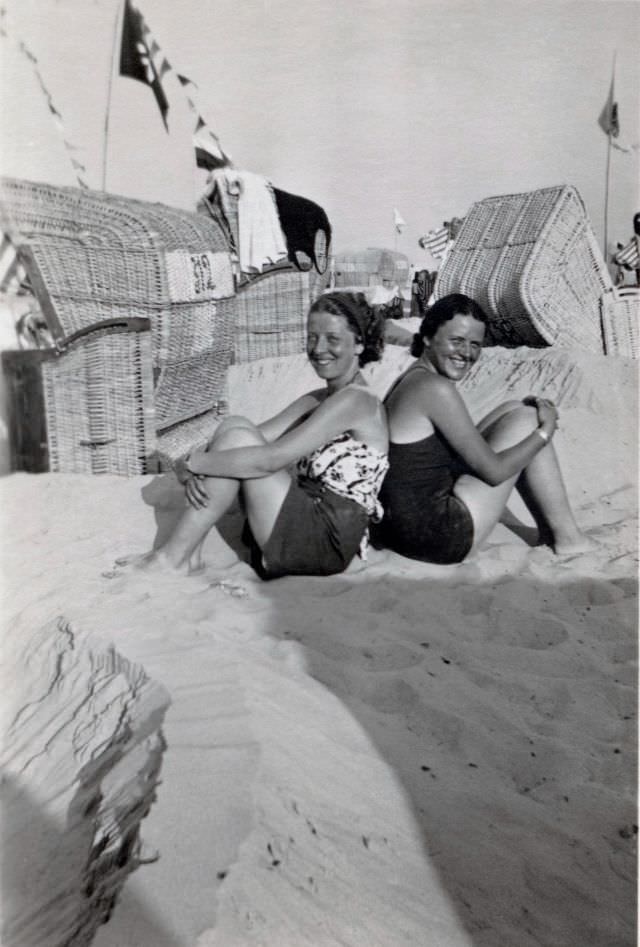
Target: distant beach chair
point(620, 314)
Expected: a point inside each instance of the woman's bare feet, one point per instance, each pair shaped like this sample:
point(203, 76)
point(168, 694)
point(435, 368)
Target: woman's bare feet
point(576, 545)
point(154, 561)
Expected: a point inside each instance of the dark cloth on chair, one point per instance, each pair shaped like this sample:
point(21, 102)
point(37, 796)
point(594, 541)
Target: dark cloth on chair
point(300, 220)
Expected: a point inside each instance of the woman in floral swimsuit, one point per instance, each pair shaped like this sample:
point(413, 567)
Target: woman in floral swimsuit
point(312, 523)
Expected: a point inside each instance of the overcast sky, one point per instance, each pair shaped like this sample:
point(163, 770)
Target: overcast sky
point(360, 105)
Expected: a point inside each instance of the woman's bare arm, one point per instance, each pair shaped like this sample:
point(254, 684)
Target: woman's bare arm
point(338, 413)
point(448, 413)
point(293, 414)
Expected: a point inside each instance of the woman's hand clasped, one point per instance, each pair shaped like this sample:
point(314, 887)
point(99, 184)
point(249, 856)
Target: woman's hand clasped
point(181, 470)
point(194, 485)
point(546, 411)
point(196, 491)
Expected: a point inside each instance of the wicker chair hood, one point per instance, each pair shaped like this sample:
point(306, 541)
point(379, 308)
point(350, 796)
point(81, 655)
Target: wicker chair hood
point(95, 257)
point(532, 262)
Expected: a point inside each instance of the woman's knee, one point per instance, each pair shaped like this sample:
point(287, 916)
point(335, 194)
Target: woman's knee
point(517, 421)
point(234, 425)
point(500, 411)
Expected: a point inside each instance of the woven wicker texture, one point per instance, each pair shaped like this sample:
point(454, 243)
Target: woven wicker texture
point(102, 256)
point(98, 397)
point(271, 315)
point(620, 313)
point(183, 438)
point(532, 262)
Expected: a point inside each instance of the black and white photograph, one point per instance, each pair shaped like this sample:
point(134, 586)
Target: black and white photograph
point(319, 341)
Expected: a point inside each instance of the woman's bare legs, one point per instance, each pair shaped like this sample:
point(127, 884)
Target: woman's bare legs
point(540, 483)
point(263, 499)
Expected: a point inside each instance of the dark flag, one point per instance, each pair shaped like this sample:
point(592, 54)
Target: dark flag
point(141, 57)
point(608, 119)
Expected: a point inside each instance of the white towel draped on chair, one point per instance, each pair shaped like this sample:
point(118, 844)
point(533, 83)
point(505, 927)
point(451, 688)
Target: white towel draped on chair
point(260, 237)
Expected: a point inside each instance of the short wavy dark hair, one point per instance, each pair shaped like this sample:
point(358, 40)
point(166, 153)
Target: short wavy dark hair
point(365, 322)
point(443, 310)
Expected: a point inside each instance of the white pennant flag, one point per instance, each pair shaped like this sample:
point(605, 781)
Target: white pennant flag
point(398, 220)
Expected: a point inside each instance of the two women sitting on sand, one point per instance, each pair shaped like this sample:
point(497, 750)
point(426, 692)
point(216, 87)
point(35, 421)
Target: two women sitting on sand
point(448, 481)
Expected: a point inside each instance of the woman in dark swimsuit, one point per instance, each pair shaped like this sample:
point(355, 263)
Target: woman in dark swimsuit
point(449, 481)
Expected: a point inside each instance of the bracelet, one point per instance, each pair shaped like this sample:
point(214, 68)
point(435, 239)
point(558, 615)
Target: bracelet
point(543, 434)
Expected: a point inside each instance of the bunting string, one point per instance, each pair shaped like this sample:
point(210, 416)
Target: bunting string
point(78, 167)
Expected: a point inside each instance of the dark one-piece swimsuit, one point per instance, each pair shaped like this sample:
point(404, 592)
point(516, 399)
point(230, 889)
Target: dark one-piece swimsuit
point(423, 518)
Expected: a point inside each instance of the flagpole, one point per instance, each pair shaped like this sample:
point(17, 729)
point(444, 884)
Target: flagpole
point(606, 198)
point(608, 172)
point(116, 40)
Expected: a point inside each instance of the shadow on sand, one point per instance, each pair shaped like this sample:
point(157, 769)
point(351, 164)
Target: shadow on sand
point(23, 888)
point(480, 698)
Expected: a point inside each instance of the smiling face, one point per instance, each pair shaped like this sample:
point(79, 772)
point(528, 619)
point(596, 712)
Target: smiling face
point(332, 348)
point(455, 347)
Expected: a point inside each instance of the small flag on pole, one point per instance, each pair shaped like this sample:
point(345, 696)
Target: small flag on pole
point(435, 241)
point(398, 221)
point(141, 58)
point(608, 119)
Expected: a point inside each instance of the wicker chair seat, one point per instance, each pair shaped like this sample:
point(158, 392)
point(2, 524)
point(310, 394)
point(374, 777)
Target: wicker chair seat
point(85, 406)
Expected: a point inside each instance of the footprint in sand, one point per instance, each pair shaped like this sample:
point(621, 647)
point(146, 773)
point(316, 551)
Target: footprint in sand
point(229, 588)
point(134, 567)
point(628, 586)
point(519, 629)
point(594, 592)
point(385, 657)
point(552, 702)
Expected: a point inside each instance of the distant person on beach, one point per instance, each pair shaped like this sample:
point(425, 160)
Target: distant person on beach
point(449, 481)
point(314, 522)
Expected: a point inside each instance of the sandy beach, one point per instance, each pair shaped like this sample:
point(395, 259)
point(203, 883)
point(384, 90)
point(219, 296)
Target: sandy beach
point(403, 754)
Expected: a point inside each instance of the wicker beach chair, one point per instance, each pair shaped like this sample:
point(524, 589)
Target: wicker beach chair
point(95, 259)
point(272, 309)
point(532, 261)
point(620, 314)
point(371, 267)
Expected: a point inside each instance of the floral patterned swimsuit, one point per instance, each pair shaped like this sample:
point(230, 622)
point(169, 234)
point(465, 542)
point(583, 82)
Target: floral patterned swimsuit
point(324, 520)
point(349, 468)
